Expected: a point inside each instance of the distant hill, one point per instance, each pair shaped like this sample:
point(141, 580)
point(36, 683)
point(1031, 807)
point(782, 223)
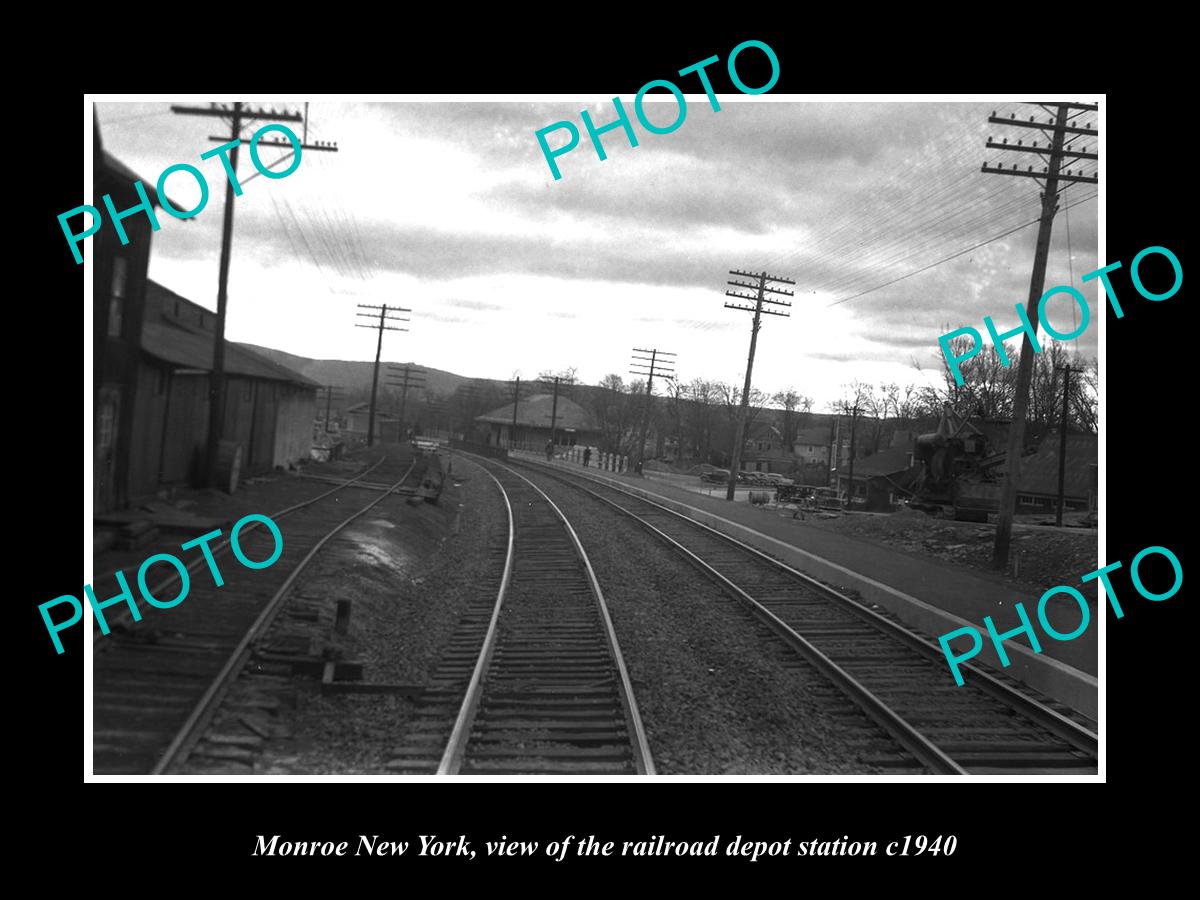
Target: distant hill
point(354, 376)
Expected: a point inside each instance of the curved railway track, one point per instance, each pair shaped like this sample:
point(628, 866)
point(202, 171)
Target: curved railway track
point(987, 726)
point(156, 685)
point(546, 690)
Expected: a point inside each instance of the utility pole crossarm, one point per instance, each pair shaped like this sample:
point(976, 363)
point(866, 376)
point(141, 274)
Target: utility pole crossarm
point(1086, 107)
point(244, 113)
point(1043, 126)
point(755, 310)
point(1061, 176)
point(761, 275)
point(326, 146)
point(1045, 151)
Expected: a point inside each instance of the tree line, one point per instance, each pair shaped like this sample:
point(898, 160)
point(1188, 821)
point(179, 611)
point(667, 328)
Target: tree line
point(695, 420)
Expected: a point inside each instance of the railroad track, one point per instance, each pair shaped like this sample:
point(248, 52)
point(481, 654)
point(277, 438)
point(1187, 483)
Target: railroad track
point(157, 685)
point(899, 678)
point(533, 682)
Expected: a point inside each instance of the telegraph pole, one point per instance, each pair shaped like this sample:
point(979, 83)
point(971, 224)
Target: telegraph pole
point(761, 290)
point(649, 367)
point(382, 326)
point(1054, 154)
point(554, 413)
point(835, 443)
point(412, 378)
point(1062, 447)
point(329, 392)
point(512, 435)
point(238, 116)
point(853, 421)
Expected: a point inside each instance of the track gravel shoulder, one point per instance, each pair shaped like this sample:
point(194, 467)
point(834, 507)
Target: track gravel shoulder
point(409, 572)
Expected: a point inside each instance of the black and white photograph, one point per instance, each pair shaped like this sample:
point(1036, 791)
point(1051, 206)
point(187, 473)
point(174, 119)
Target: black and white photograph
point(703, 432)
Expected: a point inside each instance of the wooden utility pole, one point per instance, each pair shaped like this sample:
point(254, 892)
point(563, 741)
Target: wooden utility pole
point(554, 413)
point(1062, 447)
point(238, 115)
point(1054, 153)
point(382, 326)
point(853, 421)
point(834, 446)
point(512, 435)
point(329, 392)
point(412, 378)
point(759, 299)
point(648, 368)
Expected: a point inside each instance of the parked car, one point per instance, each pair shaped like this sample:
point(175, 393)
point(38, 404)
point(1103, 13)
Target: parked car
point(715, 476)
point(776, 479)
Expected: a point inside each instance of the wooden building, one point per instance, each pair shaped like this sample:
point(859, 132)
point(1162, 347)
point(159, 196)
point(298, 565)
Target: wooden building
point(571, 424)
point(152, 356)
point(118, 294)
point(358, 418)
point(269, 409)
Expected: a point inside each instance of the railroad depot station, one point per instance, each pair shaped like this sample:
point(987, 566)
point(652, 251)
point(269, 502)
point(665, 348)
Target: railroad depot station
point(545, 577)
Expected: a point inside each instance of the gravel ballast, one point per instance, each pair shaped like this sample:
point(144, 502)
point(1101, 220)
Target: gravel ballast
point(718, 695)
point(409, 571)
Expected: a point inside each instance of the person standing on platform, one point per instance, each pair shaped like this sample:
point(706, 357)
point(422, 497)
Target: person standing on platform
point(549, 450)
point(587, 456)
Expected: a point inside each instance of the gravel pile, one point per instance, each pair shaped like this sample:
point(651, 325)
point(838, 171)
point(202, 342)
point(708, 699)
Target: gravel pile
point(713, 688)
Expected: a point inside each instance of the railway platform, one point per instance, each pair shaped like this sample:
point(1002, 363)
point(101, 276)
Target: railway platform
point(930, 596)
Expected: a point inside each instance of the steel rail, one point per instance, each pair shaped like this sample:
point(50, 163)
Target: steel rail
point(457, 745)
point(1061, 726)
point(193, 727)
point(452, 759)
point(1072, 732)
point(916, 743)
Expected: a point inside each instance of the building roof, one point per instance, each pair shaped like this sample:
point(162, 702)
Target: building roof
point(886, 462)
point(1039, 472)
point(817, 437)
point(189, 348)
point(126, 175)
point(534, 412)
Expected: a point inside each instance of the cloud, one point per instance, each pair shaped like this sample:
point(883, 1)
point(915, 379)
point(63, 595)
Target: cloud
point(450, 207)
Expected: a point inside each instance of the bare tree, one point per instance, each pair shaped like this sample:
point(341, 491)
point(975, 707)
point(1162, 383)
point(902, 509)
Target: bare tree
point(988, 387)
point(614, 409)
point(791, 401)
point(702, 400)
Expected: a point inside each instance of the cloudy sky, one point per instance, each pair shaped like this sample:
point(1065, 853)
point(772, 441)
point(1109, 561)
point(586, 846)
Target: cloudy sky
point(448, 208)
